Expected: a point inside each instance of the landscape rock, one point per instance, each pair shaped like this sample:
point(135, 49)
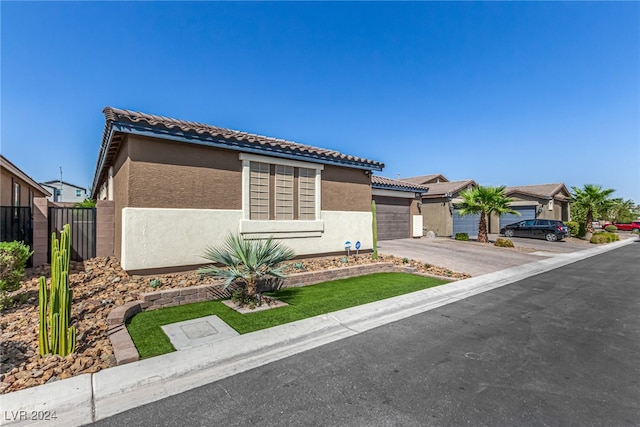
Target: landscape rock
point(99, 285)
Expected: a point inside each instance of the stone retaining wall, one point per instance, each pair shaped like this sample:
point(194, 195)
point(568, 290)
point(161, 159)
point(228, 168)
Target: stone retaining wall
point(125, 351)
point(173, 297)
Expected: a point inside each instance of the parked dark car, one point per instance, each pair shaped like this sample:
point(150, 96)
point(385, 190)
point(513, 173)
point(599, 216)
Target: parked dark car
point(549, 229)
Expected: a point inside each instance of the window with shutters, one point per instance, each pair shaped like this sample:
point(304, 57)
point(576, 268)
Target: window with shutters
point(259, 183)
point(307, 194)
point(282, 192)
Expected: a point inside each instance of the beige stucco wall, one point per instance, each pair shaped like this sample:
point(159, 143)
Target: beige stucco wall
point(7, 179)
point(437, 216)
point(157, 238)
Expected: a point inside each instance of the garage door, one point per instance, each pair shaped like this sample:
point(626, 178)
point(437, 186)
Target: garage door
point(465, 224)
point(393, 219)
point(526, 212)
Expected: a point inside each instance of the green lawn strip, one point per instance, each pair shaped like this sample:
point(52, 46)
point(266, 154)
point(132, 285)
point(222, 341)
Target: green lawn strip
point(304, 302)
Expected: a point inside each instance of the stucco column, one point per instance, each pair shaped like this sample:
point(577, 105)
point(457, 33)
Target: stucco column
point(105, 227)
point(40, 231)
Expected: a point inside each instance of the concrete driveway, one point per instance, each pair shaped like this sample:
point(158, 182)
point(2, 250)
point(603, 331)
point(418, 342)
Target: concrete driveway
point(479, 258)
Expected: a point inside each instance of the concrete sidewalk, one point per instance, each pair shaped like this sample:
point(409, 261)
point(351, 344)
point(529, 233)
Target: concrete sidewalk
point(91, 397)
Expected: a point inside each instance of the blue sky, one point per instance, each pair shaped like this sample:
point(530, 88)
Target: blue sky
point(502, 93)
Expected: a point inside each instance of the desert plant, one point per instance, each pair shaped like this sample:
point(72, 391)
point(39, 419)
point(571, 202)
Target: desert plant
point(55, 335)
point(590, 201)
point(405, 260)
point(155, 283)
point(374, 226)
point(249, 263)
point(298, 266)
point(13, 259)
point(604, 237)
point(574, 227)
point(504, 243)
point(484, 201)
point(86, 203)
point(611, 228)
point(462, 236)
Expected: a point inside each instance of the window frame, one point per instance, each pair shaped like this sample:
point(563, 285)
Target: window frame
point(295, 227)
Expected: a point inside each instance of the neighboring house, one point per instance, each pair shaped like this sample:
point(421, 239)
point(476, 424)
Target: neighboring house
point(65, 192)
point(180, 187)
point(426, 179)
point(17, 191)
point(398, 208)
point(440, 213)
point(545, 201)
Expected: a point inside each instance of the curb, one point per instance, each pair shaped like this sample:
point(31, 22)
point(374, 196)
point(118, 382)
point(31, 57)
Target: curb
point(90, 397)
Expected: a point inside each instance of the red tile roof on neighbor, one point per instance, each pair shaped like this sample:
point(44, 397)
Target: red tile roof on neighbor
point(125, 121)
point(543, 191)
point(394, 184)
point(440, 189)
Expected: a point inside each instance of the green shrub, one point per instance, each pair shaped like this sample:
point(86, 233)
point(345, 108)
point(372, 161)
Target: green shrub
point(405, 260)
point(582, 229)
point(504, 243)
point(604, 237)
point(86, 203)
point(13, 260)
point(155, 283)
point(636, 231)
point(611, 228)
point(574, 228)
point(462, 236)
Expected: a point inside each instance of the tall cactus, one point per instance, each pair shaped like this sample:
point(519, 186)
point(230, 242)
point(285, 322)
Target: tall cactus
point(55, 335)
point(374, 225)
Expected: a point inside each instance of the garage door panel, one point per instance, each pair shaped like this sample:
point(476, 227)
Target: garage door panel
point(393, 221)
point(465, 224)
point(526, 212)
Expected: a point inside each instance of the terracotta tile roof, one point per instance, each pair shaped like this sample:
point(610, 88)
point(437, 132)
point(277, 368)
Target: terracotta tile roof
point(441, 188)
point(425, 179)
point(394, 184)
point(124, 121)
point(558, 191)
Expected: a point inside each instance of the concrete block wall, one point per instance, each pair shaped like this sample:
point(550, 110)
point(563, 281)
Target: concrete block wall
point(105, 229)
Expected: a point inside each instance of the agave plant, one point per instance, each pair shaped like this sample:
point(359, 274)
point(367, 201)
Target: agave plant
point(247, 262)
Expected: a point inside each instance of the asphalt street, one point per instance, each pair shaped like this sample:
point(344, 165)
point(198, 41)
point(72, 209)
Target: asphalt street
point(558, 349)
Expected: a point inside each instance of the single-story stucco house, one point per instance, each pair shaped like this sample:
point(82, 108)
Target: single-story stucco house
point(398, 208)
point(179, 187)
point(544, 201)
point(439, 211)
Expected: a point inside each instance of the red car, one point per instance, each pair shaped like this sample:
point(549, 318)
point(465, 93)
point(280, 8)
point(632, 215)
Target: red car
point(634, 225)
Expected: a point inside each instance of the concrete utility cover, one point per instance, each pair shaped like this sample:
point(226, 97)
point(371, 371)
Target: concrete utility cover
point(195, 332)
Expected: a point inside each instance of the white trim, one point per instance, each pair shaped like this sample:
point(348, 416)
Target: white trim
point(278, 161)
point(394, 193)
point(318, 194)
point(246, 189)
point(110, 184)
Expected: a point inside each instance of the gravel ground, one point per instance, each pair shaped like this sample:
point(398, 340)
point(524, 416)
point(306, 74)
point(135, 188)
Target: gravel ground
point(99, 285)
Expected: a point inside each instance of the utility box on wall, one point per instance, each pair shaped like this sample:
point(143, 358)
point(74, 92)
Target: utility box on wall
point(417, 226)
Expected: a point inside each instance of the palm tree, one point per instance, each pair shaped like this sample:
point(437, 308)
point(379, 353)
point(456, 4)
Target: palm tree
point(248, 262)
point(593, 200)
point(484, 201)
